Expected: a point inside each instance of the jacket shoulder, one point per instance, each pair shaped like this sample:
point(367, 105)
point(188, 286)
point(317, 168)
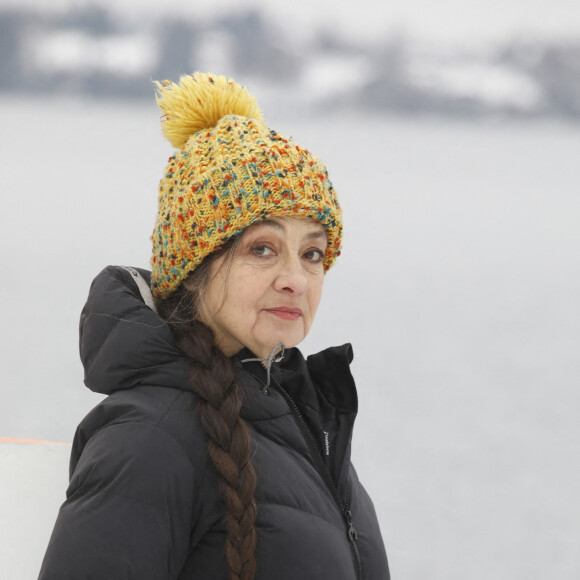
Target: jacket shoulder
point(171, 413)
point(132, 480)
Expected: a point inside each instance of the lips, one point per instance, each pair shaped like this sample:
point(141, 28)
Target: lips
point(285, 313)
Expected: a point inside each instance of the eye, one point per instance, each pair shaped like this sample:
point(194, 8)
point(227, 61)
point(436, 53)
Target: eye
point(262, 250)
point(314, 256)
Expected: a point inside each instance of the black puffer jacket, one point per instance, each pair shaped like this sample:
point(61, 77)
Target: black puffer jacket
point(143, 503)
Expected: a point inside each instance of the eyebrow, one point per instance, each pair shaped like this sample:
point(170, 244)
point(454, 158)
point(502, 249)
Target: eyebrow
point(315, 234)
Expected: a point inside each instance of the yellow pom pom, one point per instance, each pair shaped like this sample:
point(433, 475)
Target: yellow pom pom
point(198, 102)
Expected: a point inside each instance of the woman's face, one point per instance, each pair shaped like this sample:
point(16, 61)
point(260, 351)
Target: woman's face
point(272, 290)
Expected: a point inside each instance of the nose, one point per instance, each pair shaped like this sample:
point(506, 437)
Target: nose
point(291, 278)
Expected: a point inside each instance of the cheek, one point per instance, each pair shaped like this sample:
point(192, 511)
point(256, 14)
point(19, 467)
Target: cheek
point(247, 289)
point(315, 294)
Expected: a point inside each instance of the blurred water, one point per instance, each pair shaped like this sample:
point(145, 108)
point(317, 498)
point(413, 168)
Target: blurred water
point(34, 477)
point(458, 286)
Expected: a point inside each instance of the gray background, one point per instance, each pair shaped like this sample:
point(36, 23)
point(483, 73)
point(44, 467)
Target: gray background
point(458, 287)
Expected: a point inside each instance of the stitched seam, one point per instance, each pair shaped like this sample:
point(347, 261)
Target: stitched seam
point(302, 511)
point(133, 422)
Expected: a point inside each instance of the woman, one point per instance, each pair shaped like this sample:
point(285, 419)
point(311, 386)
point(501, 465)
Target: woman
point(220, 451)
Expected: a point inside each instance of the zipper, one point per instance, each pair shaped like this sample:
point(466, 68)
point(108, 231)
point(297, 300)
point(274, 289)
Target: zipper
point(324, 471)
point(352, 533)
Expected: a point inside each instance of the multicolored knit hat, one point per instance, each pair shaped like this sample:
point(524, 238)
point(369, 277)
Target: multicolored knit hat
point(231, 171)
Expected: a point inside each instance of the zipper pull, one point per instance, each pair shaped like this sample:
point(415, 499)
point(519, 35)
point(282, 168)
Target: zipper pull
point(352, 533)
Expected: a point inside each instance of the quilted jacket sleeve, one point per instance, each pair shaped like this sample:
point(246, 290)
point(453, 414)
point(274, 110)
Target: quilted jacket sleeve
point(128, 510)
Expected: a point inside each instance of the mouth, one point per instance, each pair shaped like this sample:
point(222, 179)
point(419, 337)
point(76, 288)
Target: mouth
point(285, 313)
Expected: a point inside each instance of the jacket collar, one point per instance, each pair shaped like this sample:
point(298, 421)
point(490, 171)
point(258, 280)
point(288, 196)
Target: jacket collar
point(329, 370)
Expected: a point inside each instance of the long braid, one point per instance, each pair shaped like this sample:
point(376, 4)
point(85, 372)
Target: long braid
point(212, 378)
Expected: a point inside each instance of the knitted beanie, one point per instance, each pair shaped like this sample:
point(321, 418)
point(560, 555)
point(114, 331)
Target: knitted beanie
point(230, 171)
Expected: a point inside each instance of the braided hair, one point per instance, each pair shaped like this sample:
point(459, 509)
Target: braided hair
point(212, 378)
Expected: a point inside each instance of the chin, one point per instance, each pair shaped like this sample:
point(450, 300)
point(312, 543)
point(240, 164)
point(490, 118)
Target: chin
point(289, 337)
point(289, 340)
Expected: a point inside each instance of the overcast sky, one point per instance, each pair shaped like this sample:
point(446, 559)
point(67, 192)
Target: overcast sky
point(442, 20)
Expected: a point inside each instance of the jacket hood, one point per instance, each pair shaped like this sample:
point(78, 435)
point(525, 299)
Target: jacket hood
point(123, 342)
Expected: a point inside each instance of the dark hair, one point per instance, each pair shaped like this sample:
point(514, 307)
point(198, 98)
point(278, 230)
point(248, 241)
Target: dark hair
point(212, 378)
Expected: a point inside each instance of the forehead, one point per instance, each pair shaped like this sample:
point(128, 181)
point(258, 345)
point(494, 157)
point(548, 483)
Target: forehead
point(285, 225)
